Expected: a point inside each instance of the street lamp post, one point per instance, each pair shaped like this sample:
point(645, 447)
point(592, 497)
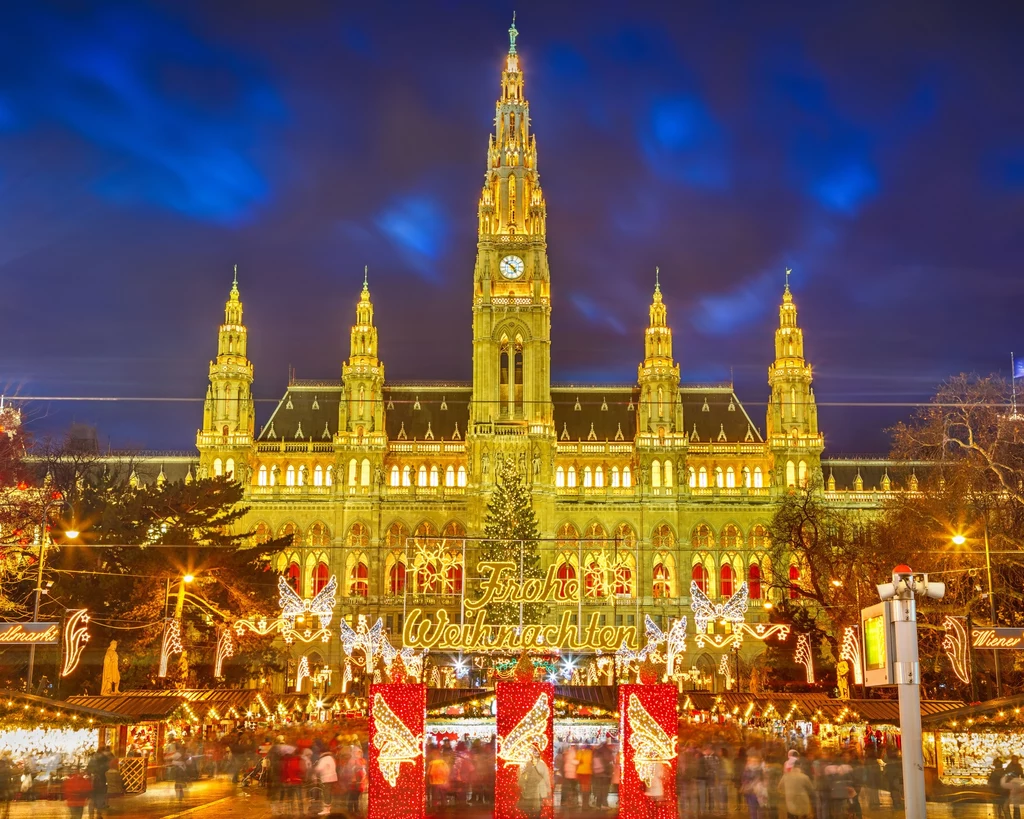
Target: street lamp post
point(960, 540)
point(71, 533)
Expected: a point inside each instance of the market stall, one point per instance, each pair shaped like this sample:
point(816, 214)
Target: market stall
point(962, 744)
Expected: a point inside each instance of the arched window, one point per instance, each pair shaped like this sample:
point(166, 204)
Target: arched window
point(229, 468)
point(396, 578)
point(559, 476)
point(572, 476)
point(702, 539)
point(719, 478)
point(794, 582)
point(330, 476)
point(693, 478)
point(261, 476)
point(274, 472)
point(433, 475)
point(758, 537)
point(790, 474)
point(568, 537)
point(623, 579)
point(462, 476)
point(302, 475)
point(700, 577)
point(358, 537)
point(662, 581)
point(728, 580)
point(449, 476)
point(754, 581)
point(353, 470)
point(627, 477)
point(702, 478)
point(758, 478)
point(261, 534)
point(289, 476)
point(588, 477)
point(396, 476)
point(359, 580)
point(668, 474)
point(566, 572)
point(615, 477)
point(625, 538)
point(293, 574)
point(289, 530)
point(730, 478)
point(746, 477)
point(663, 538)
point(318, 536)
point(655, 474)
point(364, 473)
point(218, 467)
point(421, 475)
point(594, 581)
point(598, 477)
point(731, 538)
point(321, 574)
point(406, 475)
point(453, 579)
point(802, 472)
point(318, 475)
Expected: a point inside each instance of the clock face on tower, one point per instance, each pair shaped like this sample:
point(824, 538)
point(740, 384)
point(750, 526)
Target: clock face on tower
point(511, 267)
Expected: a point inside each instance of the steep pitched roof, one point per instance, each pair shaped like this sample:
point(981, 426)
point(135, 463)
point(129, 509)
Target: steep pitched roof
point(585, 413)
point(308, 411)
point(426, 411)
point(717, 415)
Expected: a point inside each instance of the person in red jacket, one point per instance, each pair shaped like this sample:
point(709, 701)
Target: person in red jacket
point(77, 789)
point(293, 780)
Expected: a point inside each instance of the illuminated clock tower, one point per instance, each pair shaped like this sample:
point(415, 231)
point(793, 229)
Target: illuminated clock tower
point(512, 295)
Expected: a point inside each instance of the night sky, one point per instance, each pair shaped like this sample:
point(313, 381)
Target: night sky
point(875, 148)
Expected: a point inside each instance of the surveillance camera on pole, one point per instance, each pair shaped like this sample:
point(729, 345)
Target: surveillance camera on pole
point(893, 624)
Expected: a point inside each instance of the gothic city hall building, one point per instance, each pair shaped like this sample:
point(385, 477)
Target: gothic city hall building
point(638, 488)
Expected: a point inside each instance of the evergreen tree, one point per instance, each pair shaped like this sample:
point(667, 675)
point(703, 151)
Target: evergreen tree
point(511, 535)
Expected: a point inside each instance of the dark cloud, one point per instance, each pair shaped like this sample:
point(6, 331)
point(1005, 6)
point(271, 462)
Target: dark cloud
point(877, 149)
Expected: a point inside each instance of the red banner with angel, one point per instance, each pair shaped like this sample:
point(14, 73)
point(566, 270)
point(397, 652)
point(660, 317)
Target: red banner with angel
point(524, 781)
point(648, 730)
point(397, 782)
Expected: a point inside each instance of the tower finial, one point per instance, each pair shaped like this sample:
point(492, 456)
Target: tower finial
point(366, 276)
point(234, 284)
point(236, 274)
point(512, 34)
point(657, 279)
point(788, 271)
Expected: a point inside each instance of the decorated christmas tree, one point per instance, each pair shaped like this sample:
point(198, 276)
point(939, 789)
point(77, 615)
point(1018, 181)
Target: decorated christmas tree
point(511, 535)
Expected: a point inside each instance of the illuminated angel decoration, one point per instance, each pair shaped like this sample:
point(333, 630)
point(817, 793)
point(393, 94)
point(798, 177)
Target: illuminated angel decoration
point(302, 673)
point(850, 651)
point(805, 656)
point(529, 733)
point(76, 635)
point(651, 744)
point(674, 639)
point(320, 606)
point(369, 641)
point(732, 610)
point(955, 646)
point(225, 649)
point(726, 671)
point(394, 742)
point(171, 644)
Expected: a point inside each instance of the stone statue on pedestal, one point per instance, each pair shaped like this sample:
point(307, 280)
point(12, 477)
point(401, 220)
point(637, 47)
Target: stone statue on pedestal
point(111, 681)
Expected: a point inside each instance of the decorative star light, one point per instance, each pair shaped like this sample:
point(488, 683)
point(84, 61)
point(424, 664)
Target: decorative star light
point(725, 669)
point(850, 651)
point(529, 733)
point(805, 656)
point(320, 606)
point(955, 645)
point(394, 742)
point(225, 649)
point(302, 673)
point(732, 610)
point(651, 744)
point(76, 635)
point(171, 643)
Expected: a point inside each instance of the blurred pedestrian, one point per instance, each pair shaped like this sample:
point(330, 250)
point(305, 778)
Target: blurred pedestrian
point(77, 788)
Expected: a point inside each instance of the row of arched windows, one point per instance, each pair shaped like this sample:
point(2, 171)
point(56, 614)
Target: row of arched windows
point(593, 477)
point(425, 475)
point(796, 474)
point(727, 478)
point(224, 468)
point(301, 475)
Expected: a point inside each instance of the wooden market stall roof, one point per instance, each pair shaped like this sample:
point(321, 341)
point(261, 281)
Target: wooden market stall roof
point(1003, 712)
point(18, 703)
point(818, 707)
point(156, 706)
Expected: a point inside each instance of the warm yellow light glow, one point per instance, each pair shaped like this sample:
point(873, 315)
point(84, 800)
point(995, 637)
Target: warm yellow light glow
point(959, 540)
point(837, 583)
point(188, 578)
point(71, 534)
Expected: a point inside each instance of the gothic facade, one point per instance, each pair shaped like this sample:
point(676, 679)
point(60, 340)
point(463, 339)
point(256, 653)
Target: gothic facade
point(676, 480)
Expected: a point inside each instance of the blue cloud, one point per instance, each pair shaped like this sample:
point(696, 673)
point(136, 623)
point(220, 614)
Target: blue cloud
point(596, 313)
point(418, 227)
point(682, 141)
point(181, 123)
point(847, 187)
point(727, 313)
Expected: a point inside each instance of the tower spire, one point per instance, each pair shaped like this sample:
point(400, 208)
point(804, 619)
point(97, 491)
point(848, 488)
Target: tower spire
point(512, 34)
point(786, 294)
point(657, 281)
point(366, 277)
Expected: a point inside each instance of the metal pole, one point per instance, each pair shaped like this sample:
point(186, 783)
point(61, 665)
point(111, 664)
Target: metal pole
point(908, 678)
point(970, 658)
point(992, 604)
point(39, 594)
